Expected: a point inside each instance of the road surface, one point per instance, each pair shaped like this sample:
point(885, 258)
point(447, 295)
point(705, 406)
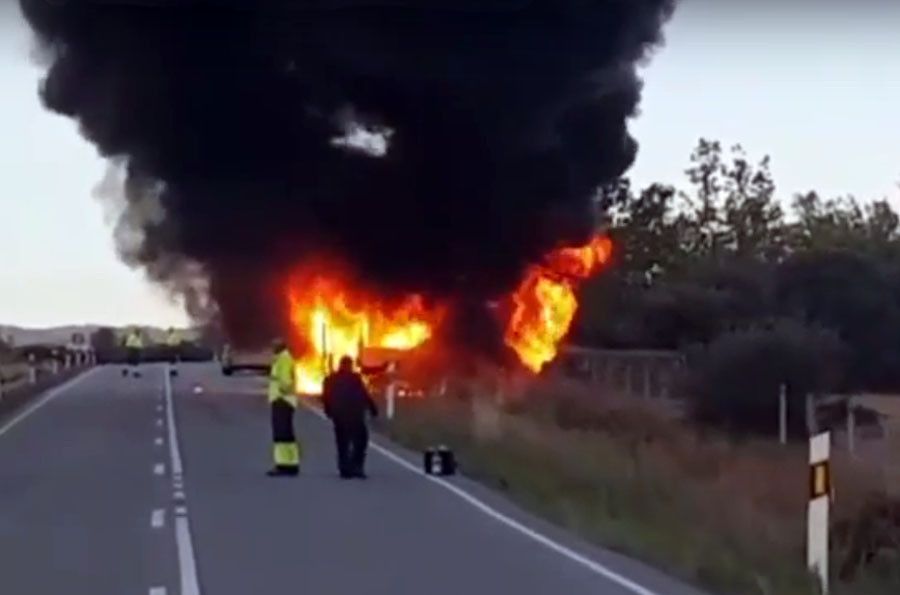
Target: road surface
point(112, 485)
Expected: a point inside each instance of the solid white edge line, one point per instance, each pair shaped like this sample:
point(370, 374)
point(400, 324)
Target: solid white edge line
point(158, 518)
point(48, 396)
point(187, 563)
point(473, 501)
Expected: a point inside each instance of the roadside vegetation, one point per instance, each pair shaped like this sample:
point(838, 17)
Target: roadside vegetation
point(723, 514)
point(728, 266)
point(13, 367)
point(752, 291)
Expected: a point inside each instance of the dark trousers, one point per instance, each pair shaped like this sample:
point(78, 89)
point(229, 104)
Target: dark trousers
point(174, 355)
point(352, 441)
point(286, 449)
point(134, 356)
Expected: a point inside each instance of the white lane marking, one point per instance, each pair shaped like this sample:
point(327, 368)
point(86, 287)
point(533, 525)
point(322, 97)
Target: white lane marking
point(158, 518)
point(513, 524)
point(48, 396)
point(174, 451)
point(178, 495)
point(157, 591)
point(159, 423)
point(187, 563)
point(159, 469)
point(158, 441)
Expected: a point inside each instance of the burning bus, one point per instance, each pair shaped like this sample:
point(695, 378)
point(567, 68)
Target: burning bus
point(333, 316)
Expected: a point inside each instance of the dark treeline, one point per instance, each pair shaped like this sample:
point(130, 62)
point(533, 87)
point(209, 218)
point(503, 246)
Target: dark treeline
point(756, 290)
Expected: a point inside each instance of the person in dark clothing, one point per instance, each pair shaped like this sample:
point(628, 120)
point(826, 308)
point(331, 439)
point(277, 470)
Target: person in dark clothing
point(347, 401)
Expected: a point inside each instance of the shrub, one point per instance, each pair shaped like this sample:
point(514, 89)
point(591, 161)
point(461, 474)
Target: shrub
point(735, 382)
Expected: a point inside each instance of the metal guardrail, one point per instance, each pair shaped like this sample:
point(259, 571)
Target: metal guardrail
point(643, 374)
point(15, 375)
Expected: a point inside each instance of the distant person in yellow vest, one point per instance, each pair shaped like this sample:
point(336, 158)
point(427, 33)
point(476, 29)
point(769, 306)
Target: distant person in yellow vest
point(134, 343)
point(173, 348)
point(283, 403)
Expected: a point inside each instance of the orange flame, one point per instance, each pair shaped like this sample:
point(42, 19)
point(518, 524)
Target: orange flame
point(545, 303)
point(335, 320)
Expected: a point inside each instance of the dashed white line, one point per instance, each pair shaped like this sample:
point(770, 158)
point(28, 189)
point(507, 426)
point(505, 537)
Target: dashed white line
point(187, 563)
point(159, 423)
point(159, 469)
point(178, 495)
point(157, 591)
point(158, 441)
point(174, 451)
point(158, 518)
point(591, 565)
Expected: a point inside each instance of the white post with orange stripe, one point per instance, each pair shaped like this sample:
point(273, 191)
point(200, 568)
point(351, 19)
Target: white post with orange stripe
point(819, 502)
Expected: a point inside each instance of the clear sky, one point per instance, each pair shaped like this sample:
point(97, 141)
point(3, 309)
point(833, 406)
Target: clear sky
point(813, 83)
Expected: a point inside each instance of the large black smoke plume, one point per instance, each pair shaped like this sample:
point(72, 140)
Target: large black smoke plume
point(436, 145)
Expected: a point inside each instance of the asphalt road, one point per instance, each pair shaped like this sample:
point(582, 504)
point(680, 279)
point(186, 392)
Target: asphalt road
point(114, 485)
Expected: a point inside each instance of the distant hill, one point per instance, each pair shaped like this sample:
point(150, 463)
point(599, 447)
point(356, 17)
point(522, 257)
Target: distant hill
point(62, 335)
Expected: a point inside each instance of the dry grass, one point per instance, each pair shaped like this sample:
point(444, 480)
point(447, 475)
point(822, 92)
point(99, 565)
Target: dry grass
point(12, 373)
point(727, 516)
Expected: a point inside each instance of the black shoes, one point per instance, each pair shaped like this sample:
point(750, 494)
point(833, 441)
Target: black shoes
point(279, 472)
point(354, 475)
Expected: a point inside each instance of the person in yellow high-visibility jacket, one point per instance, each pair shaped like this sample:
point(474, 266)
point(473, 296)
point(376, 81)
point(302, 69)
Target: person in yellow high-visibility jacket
point(173, 346)
point(134, 344)
point(283, 403)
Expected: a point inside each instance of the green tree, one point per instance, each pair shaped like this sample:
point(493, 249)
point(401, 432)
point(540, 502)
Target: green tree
point(704, 235)
point(724, 258)
point(753, 222)
point(853, 294)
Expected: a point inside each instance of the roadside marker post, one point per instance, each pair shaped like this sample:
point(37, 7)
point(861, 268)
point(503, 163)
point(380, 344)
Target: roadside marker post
point(32, 369)
point(391, 400)
point(851, 426)
point(782, 414)
point(818, 511)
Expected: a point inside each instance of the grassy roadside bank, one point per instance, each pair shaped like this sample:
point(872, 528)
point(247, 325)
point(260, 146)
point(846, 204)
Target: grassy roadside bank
point(19, 397)
point(727, 517)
